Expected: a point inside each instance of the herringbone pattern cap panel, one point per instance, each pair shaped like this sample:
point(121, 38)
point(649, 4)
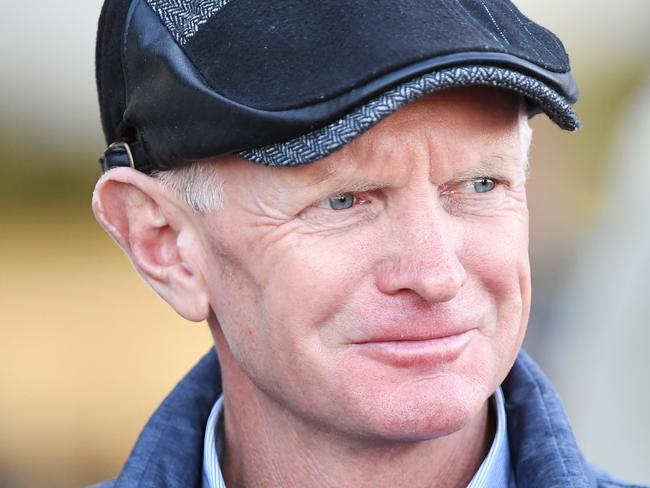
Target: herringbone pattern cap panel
point(324, 141)
point(184, 17)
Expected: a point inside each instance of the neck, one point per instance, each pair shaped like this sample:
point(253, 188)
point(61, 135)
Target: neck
point(266, 445)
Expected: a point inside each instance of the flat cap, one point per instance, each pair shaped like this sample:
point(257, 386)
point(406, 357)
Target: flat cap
point(287, 82)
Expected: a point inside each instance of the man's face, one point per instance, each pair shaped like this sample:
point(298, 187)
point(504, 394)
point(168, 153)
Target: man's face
point(382, 292)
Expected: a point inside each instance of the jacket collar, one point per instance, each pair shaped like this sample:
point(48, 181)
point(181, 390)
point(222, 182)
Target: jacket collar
point(169, 451)
point(543, 450)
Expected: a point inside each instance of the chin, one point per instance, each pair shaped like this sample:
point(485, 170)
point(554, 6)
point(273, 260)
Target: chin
point(420, 400)
point(422, 409)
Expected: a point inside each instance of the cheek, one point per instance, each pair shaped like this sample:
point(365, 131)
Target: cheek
point(281, 300)
point(495, 250)
point(234, 299)
point(311, 282)
point(496, 259)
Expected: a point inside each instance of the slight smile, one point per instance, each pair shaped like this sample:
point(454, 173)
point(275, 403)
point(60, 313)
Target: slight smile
point(408, 352)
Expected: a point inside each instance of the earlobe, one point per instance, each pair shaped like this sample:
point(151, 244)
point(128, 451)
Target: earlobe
point(151, 226)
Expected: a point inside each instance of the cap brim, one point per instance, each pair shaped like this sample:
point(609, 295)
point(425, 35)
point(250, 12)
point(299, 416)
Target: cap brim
point(324, 141)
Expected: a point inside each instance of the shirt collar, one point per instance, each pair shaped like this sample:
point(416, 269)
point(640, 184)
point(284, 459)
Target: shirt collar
point(213, 444)
point(494, 470)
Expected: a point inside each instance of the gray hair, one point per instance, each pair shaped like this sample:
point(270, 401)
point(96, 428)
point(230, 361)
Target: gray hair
point(198, 184)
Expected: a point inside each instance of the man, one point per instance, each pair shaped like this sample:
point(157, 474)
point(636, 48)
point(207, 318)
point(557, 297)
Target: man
point(338, 188)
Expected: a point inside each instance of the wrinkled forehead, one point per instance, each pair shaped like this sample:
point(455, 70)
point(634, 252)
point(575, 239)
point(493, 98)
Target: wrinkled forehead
point(483, 122)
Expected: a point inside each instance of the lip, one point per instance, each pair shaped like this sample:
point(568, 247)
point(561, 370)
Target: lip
point(417, 351)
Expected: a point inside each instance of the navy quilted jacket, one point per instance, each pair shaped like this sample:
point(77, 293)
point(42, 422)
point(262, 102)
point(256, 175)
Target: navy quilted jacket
point(543, 451)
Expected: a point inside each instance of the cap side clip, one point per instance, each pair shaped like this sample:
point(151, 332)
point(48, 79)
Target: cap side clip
point(116, 155)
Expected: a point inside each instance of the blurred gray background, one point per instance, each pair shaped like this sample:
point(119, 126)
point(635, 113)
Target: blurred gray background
point(87, 351)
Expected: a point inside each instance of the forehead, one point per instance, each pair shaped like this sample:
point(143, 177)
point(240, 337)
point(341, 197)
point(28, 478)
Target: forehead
point(449, 130)
point(465, 122)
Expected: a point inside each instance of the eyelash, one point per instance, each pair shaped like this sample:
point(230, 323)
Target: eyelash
point(358, 199)
point(469, 183)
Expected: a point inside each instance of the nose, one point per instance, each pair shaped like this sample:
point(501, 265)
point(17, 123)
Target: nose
point(423, 258)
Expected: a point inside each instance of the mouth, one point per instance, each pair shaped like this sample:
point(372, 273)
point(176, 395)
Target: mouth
point(416, 351)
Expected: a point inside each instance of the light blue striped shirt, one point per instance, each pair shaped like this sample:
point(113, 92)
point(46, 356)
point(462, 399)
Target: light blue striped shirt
point(494, 471)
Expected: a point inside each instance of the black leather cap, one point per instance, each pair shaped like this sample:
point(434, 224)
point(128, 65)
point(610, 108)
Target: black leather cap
point(286, 82)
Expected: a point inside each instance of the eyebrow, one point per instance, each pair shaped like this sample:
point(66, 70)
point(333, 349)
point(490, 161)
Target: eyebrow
point(360, 186)
point(497, 165)
point(330, 178)
point(321, 174)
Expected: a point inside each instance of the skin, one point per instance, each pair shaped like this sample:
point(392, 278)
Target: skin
point(359, 346)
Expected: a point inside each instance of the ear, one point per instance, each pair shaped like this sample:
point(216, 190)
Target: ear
point(159, 234)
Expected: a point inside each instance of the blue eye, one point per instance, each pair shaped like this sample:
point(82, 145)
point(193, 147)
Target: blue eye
point(484, 185)
point(341, 202)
